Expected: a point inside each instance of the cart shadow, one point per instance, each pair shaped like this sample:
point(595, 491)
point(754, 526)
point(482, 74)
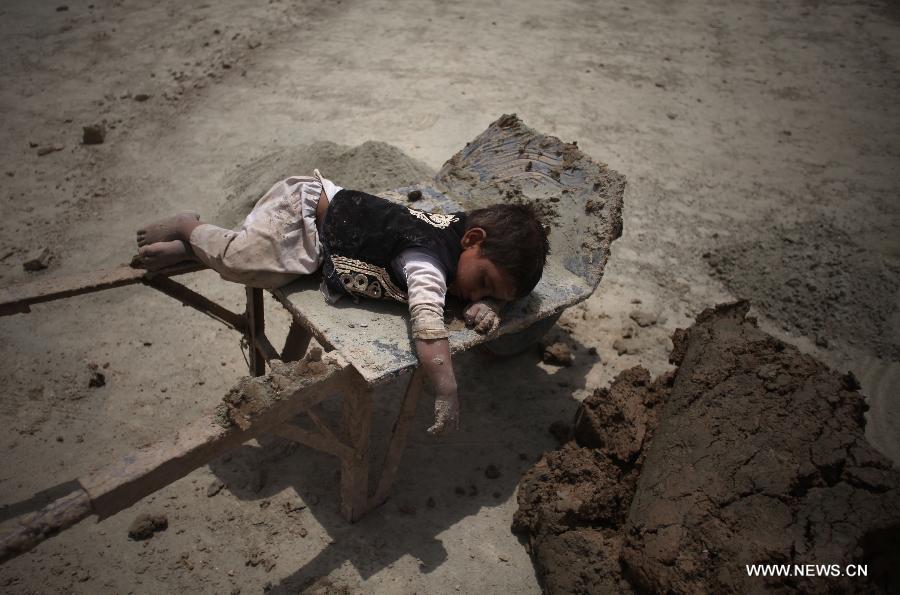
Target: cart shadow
point(508, 406)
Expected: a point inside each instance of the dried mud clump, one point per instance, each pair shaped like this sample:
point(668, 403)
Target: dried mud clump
point(145, 525)
point(574, 502)
point(749, 453)
point(252, 396)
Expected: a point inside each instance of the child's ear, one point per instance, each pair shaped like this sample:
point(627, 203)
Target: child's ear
point(473, 237)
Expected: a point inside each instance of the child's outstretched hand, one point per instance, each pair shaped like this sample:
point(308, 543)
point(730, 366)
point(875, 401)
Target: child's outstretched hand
point(484, 315)
point(434, 357)
point(446, 414)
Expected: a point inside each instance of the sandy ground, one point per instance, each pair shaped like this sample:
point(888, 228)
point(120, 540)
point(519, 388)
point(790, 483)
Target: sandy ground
point(738, 125)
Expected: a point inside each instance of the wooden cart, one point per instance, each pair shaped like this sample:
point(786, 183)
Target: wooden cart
point(366, 343)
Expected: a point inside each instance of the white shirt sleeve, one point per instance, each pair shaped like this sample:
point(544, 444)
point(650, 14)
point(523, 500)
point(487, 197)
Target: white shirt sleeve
point(426, 292)
point(328, 186)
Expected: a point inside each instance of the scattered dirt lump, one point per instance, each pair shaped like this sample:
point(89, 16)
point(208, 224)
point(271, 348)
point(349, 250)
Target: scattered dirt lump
point(145, 525)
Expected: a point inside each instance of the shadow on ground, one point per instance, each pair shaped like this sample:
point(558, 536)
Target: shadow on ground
point(505, 428)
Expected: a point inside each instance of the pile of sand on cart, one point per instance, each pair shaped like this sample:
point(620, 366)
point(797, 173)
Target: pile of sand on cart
point(748, 453)
point(373, 167)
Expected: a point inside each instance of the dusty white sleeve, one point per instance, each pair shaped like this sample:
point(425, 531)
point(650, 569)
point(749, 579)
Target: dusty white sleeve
point(328, 186)
point(426, 291)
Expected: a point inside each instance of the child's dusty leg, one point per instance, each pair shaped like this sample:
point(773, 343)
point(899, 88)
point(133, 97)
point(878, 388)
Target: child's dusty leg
point(243, 256)
point(160, 255)
point(176, 227)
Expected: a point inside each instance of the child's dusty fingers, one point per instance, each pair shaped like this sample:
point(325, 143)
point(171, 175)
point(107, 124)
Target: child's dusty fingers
point(495, 324)
point(441, 426)
point(443, 413)
point(488, 324)
point(453, 421)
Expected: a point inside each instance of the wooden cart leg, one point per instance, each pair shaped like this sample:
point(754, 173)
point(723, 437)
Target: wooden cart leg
point(397, 444)
point(256, 327)
point(296, 343)
point(356, 412)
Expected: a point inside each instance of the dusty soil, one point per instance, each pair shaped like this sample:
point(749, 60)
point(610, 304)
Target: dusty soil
point(749, 451)
point(818, 281)
point(735, 124)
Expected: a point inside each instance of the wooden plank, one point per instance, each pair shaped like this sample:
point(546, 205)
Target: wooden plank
point(255, 406)
point(31, 529)
point(332, 446)
point(356, 411)
point(399, 435)
point(266, 348)
point(19, 298)
point(255, 328)
point(315, 414)
point(191, 298)
point(296, 343)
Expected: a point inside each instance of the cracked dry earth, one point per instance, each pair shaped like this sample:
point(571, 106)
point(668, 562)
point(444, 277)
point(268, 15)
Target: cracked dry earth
point(757, 455)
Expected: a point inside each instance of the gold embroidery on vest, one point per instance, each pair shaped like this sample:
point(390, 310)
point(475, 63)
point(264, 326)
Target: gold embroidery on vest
point(438, 220)
point(362, 278)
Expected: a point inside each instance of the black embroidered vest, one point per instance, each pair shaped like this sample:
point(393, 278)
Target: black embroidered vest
point(363, 233)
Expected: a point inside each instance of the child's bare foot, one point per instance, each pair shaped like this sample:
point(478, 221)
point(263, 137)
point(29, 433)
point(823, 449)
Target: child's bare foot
point(166, 230)
point(160, 255)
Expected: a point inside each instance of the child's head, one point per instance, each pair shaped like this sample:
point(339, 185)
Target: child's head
point(504, 252)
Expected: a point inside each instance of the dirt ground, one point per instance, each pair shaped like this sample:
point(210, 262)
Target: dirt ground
point(760, 141)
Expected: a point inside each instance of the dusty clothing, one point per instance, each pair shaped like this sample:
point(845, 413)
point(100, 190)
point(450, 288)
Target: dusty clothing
point(426, 292)
point(278, 241)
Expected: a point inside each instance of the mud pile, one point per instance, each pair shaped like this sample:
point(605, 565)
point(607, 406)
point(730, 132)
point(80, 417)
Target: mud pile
point(748, 453)
point(573, 504)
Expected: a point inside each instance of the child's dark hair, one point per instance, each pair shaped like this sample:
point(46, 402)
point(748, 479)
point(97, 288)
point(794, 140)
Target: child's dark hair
point(515, 242)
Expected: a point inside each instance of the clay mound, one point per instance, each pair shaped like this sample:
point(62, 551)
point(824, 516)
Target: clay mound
point(619, 420)
point(759, 457)
point(574, 502)
point(371, 167)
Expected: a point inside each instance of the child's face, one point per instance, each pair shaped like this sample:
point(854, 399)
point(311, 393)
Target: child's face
point(476, 276)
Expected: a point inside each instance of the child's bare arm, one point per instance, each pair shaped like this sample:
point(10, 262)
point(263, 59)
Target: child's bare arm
point(427, 287)
point(434, 357)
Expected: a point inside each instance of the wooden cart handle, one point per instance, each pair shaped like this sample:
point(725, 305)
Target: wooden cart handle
point(34, 527)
